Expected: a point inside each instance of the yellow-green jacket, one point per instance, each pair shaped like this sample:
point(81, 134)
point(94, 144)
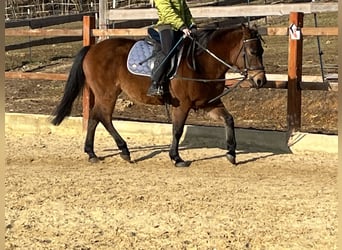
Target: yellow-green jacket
point(175, 13)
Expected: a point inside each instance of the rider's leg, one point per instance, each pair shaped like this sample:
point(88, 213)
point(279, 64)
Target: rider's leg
point(160, 67)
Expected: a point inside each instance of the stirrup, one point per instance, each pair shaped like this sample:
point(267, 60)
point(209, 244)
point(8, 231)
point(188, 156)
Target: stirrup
point(155, 91)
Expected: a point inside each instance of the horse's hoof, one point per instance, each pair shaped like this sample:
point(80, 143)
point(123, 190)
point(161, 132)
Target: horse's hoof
point(126, 157)
point(94, 160)
point(182, 164)
point(231, 159)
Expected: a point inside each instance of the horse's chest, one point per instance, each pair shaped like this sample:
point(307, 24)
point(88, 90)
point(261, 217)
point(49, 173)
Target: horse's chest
point(208, 90)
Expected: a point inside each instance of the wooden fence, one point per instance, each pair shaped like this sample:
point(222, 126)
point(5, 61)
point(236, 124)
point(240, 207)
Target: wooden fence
point(294, 82)
point(36, 25)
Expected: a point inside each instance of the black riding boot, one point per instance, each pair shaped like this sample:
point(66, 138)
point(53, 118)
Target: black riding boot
point(160, 66)
point(158, 71)
point(155, 89)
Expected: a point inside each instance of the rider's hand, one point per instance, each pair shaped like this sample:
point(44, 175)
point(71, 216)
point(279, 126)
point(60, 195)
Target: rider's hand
point(186, 31)
point(193, 29)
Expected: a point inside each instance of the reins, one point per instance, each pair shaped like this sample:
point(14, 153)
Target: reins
point(243, 73)
point(226, 91)
point(235, 69)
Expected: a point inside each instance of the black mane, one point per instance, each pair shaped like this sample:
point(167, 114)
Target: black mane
point(204, 35)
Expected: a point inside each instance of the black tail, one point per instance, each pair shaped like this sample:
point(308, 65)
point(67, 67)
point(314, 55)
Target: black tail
point(72, 88)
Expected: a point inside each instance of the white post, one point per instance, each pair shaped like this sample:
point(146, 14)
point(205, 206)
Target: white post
point(102, 16)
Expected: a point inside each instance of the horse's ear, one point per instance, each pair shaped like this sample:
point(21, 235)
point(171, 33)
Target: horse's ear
point(244, 28)
point(254, 27)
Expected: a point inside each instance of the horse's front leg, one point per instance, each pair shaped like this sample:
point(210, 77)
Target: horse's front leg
point(220, 112)
point(178, 120)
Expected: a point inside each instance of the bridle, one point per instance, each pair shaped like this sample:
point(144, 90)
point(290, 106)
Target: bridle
point(247, 66)
point(244, 72)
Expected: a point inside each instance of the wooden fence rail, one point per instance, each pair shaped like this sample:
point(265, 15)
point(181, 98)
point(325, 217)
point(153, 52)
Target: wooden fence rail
point(141, 32)
point(36, 76)
point(47, 21)
point(273, 80)
point(276, 81)
point(72, 35)
point(227, 11)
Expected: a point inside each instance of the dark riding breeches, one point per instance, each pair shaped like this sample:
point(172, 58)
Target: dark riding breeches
point(167, 40)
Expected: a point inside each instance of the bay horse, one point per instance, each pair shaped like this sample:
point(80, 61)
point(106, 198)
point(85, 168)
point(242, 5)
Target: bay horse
point(103, 68)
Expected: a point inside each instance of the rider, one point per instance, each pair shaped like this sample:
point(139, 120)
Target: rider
point(174, 20)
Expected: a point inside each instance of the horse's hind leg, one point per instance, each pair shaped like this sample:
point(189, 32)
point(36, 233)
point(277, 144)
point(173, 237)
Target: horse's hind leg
point(103, 115)
point(89, 143)
point(220, 112)
point(120, 142)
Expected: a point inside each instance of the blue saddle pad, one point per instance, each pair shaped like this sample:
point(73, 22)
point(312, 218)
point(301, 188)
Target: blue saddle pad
point(139, 58)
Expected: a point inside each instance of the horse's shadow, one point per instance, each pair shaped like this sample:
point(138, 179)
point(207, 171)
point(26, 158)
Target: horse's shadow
point(193, 140)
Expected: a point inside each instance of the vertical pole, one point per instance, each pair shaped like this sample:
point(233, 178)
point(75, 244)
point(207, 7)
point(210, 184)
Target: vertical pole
point(294, 98)
point(102, 16)
point(88, 96)
point(320, 52)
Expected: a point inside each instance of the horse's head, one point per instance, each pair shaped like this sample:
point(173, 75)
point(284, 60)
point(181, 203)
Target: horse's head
point(249, 60)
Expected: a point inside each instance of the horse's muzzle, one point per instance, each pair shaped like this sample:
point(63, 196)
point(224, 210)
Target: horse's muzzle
point(257, 78)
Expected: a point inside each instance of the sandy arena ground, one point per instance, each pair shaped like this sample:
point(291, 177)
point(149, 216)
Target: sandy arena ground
point(55, 199)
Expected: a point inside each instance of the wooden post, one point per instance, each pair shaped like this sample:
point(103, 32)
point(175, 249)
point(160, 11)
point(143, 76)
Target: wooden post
point(294, 98)
point(102, 14)
point(103, 17)
point(88, 96)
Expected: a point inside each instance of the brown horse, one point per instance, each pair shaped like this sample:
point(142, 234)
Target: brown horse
point(103, 68)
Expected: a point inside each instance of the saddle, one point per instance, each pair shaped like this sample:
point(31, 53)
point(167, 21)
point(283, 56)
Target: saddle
point(143, 53)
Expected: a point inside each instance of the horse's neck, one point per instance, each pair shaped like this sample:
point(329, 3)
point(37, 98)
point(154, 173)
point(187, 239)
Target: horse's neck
point(225, 45)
